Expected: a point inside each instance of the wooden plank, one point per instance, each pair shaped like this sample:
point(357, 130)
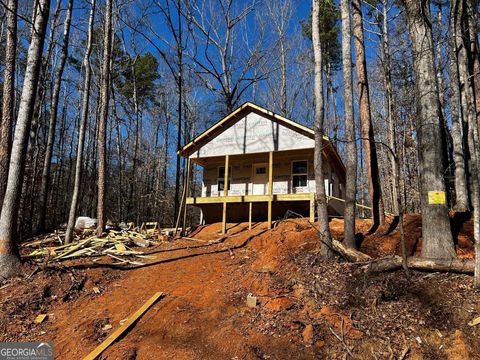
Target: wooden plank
point(224, 218)
point(111, 339)
point(269, 215)
point(225, 176)
point(270, 188)
point(250, 209)
point(225, 192)
point(248, 198)
point(312, 208)
point(270, 173)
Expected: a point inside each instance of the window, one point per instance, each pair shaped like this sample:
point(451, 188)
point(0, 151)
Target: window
point(261, 170)
point(221, 178)
point(299, 173)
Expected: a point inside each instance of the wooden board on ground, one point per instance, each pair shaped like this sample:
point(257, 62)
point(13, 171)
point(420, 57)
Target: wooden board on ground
point(111, 339)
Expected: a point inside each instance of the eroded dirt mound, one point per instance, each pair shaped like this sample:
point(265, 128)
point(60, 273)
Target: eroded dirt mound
point(305, 307)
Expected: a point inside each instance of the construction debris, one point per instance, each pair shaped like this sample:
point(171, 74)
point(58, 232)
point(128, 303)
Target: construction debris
point(251, 301)
point(474, 322)
point(141, 242)
point(149, 228)
point(116, 244)
point(85, 222)
point(40, 318)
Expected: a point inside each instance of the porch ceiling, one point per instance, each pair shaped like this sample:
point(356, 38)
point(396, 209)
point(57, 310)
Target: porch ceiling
point(251, 157)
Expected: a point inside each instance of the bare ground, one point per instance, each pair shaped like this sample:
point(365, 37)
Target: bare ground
point(307, 308)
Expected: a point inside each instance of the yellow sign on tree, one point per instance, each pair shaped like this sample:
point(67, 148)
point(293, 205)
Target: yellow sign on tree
point(436, 198)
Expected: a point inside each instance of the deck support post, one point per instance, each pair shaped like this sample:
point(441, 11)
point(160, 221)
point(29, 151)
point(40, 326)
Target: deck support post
point(225, 194)
point(270, 188)
point(312, 207)
point(250, 208)
point(224, 218)
point(187, 183)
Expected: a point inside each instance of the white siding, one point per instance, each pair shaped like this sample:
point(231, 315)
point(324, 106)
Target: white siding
point(254, 133)
point(242, 174)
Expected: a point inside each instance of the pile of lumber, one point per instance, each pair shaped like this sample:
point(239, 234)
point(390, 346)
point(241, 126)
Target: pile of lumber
point(116, 244)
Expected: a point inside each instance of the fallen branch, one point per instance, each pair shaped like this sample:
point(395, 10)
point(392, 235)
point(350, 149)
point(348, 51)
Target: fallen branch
point(342, 342)
point(423, 264)
point(393, 263)
point(349, 253)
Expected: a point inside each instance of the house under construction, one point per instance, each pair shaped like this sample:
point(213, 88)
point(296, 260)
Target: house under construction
point(257, 165)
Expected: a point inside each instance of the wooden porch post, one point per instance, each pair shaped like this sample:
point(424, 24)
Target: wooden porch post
point(270, 188)
point(250, 206)
point(187, 184)
point(312, 207)
point(225, 194)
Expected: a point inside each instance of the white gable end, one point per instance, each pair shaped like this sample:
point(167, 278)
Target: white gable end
point(254, 133)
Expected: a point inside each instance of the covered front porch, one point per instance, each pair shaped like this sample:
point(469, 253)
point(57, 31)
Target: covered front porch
point(262, 185)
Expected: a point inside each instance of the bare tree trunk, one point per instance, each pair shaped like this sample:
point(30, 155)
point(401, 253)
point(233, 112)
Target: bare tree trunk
point(475, 54)
point(9, 260)
point(351, 145)
point(133, 192)
point(438, 56)
point(8, 96)
point(81, 133)
point(179, 79)
point(368, 137)
point(35, 128)
point(328, 121)
point(462, 42)
point(385, 53)
point(102, 128)
point(165, 165)
point(53, 119)
point(334, 105)
point(283, 65)
point(436, 232)
point(325, 236)
point(119, 148)
point(461, 192)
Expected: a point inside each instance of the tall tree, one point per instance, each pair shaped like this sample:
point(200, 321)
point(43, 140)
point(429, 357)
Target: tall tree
point(368, 138)
point(471, 131)
point(436, 232)
point(8, 97)
point(461, 191)
point(351, 144)
point(325, 236)
point(388, 84)
point(81, 132)
point(9, 260)
point(53, 118)
point(329, 18)
point(472, 19)
point(102, 126)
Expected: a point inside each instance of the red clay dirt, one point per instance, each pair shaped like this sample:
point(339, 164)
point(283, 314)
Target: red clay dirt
point(307, 308)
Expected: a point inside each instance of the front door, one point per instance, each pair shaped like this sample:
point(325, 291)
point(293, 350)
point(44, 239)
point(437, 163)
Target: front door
point(260, 179)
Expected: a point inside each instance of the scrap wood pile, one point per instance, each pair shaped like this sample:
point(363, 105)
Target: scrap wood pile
point(116, 244)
